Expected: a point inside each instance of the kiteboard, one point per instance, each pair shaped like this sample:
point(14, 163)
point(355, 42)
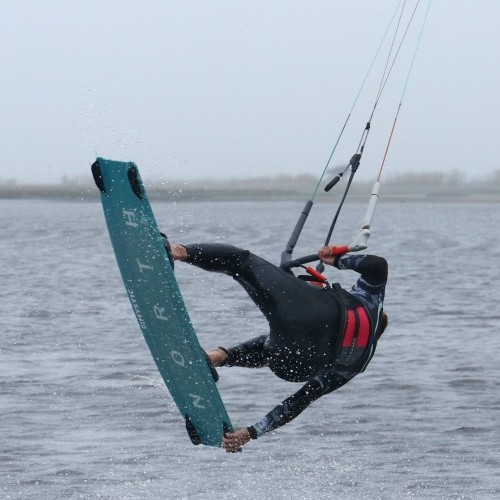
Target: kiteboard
point(156, 300)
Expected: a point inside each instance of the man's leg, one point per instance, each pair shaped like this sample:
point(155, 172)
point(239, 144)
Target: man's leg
point(266, 284)
point(249, 354)
point(230, 260)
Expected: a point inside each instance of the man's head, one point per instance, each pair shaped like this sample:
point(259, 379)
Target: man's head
point(383, 321)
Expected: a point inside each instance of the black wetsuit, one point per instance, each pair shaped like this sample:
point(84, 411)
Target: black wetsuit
point(323, 337)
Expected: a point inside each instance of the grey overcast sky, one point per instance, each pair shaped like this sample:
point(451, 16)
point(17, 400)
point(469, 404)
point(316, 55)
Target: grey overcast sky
point(192, 89)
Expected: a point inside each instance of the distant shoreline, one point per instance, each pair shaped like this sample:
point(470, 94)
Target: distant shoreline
point(389, 193)
point(435, 187)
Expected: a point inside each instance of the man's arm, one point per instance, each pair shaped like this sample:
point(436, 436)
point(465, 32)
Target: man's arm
point(373, 269)
point(287, 410)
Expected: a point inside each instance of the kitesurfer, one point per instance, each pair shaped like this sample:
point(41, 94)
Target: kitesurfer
point(321, 336)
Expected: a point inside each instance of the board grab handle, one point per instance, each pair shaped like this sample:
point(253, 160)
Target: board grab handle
point(193, 434)
point(191, 430)
point(97, 175)
point(134, 178)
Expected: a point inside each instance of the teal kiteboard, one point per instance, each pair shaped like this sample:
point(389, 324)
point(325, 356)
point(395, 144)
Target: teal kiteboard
point(157, 302)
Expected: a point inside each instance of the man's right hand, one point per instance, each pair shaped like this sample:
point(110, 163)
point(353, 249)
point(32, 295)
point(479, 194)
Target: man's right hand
point(329, 253)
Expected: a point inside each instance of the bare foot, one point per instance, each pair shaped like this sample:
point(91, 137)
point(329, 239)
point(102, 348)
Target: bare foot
point(178, 252)
point(217, 356)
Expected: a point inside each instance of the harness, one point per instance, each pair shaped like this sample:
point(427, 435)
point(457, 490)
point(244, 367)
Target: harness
point(358, 337)
point(356, 334)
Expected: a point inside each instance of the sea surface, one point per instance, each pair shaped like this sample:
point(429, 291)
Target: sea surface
point(84, 413)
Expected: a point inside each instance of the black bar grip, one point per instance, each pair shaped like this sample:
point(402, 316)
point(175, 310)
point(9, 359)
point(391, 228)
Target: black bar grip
point(332, 183)
point(354, 163)
point(298, 262)
point(287, 253)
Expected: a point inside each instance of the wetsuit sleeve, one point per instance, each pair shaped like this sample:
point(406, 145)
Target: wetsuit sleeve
point(249, 354)
point(373, 269)
point(293, 406)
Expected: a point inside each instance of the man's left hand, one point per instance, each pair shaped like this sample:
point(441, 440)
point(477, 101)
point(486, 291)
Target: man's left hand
point(233, 441)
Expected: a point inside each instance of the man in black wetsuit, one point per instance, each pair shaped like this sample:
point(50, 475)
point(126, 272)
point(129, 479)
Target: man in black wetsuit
point(321, 336)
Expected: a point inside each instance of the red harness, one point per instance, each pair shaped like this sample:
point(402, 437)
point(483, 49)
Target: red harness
point(356, 336)
point(357, 329)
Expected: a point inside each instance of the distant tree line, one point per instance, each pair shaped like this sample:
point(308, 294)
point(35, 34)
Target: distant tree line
point(453, 178)
point(426, 178)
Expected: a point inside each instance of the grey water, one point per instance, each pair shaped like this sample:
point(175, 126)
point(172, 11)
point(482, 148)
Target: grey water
point(85, 415)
